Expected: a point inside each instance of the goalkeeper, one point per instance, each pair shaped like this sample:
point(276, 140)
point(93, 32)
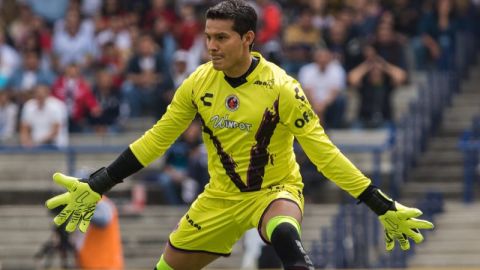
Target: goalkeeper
point(251, 111)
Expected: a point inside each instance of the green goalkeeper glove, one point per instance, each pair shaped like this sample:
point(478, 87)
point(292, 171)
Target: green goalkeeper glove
point(399, 222)
point(80, 201)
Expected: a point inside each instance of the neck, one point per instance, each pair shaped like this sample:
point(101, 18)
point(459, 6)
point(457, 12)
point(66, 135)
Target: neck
point(239, 69)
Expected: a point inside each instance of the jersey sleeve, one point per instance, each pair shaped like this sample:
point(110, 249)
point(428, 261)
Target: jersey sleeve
point(176, 119)
point(297, 114)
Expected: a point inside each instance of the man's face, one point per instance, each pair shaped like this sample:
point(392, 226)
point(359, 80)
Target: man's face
point(225, 46)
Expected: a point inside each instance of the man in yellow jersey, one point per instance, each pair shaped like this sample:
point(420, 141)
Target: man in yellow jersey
point(250, 110)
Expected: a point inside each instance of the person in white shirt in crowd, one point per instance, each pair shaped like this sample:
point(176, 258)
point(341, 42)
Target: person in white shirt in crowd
point(180, 69)
point(73, 41)
point(44, 120)
point(324, 81)
point(8, 117)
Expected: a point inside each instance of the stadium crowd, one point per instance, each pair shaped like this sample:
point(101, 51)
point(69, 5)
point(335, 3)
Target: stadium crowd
point(87, 65)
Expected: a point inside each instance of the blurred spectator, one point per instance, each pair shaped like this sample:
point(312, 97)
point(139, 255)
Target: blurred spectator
point(108, 96)
point(406, 15)
point(269, 29)
point(117, 34)
point(51, 10)
point(43, 122)
point(375, 79)
point(73, 89)
point(101, 246)
point(188, 28)
point(72, 41)
point(180, 67)
point(341, 38)
point(39, 40)
point(160, 10)
point(30, 75)
point(299, 41)
point(324, 81)
point(8, 117)
point(110, 57)
point(164, 39)
point(183, 161)
point(365, 16)
point(91, 8)
point(149, 87)
point(387, 45)
point(8, 11)
point(437, 32)
point(9, 60)
point(21, 26)
point(321, 18)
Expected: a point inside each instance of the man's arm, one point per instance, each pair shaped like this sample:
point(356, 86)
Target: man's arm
point(400, 222)
point(83, 194)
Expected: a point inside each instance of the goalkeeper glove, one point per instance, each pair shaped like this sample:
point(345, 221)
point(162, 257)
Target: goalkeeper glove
point(399, 222)
point(80, 199)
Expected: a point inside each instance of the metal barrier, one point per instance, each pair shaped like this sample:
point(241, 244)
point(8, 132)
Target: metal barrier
point(352, 240)
point(470, 146)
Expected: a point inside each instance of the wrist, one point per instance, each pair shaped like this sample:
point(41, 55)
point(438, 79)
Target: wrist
point(376, 200)
point(100, 181)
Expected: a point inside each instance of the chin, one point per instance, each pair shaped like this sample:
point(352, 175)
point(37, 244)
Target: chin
point(218, 67)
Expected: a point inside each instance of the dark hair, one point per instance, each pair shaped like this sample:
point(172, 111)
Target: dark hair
point(243, 15)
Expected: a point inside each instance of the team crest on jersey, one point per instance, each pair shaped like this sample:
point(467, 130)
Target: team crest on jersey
point(232, 103)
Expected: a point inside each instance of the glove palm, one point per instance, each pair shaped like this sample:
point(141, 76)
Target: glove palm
point(401, 224)
point(80, 201)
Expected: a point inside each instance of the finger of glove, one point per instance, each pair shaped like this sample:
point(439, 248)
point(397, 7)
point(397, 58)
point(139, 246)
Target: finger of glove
point(83, 226)
point(403, 241)
point(415, 235)
point(87, 216)
point(72, 223)
point(419, 223)
point(64, 215)
point(389, 242)
point(58, 200)
point(408, 212)
point(65, 181)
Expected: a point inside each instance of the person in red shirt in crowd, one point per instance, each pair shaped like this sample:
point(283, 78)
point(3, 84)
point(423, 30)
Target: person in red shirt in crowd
point(74, 90)
point(159, 9)
point(269, 29)
point(188, 28)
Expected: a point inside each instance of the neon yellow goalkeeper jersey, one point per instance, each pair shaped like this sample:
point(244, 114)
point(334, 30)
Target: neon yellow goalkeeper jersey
point(249, 131)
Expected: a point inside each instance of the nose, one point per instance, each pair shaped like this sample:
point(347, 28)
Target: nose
point(212, 46)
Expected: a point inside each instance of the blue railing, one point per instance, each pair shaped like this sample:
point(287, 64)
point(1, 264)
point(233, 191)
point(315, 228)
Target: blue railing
point(470, 146)
point(353, 238)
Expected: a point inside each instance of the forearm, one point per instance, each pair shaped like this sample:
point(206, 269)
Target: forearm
point(123, 166)
point(52, 135)
point(356, 75)
point(376, 200)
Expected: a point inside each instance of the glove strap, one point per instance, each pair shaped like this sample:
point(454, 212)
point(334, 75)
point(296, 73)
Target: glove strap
point(100, 181)
point(376, 200)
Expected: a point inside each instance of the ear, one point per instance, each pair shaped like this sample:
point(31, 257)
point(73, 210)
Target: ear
point(249, 37)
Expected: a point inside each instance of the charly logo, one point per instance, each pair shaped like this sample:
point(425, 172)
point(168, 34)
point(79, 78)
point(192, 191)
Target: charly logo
point(232, 103)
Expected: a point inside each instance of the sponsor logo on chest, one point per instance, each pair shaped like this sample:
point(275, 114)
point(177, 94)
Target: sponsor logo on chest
point(221, 122)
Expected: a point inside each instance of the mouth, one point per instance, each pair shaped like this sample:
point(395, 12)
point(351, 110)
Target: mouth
point(216, 58)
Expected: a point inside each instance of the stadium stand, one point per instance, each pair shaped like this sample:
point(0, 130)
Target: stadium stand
point(415, 155)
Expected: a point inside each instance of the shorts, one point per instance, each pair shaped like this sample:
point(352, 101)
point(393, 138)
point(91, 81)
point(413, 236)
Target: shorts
point(214, 224)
